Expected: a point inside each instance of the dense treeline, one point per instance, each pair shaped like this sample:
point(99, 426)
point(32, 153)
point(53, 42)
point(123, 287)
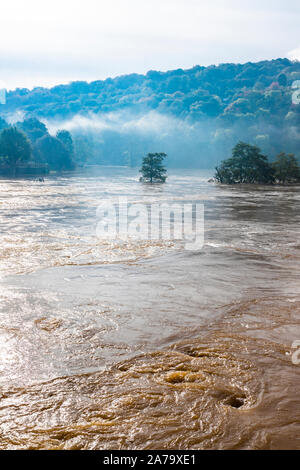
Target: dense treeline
point(216, 107)
point(29, 143)
point(248, 165)
point(227, 91)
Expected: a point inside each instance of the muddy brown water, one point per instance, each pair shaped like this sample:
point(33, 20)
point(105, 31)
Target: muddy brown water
point(109, 344)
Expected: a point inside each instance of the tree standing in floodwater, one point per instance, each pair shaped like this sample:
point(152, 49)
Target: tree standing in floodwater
point(152, 169)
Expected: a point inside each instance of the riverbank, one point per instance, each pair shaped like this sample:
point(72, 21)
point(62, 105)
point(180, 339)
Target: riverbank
point(24, 171)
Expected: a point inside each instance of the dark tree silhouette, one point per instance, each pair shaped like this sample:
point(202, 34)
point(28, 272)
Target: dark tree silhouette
point(66, 138)
point(33, 128)
point(152, 169)
point(247, 165)
point(286, 168)
point(14, 147)
point(52, 151)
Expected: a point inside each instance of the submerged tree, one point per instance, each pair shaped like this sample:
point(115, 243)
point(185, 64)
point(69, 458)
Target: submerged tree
point(286, 168)
point(14, 147)
point(247, 165)
point(152, 169)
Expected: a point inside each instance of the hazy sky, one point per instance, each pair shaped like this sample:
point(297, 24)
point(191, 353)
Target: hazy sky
point(45, 42)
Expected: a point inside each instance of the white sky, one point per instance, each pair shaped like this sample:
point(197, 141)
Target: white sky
point(44, 42)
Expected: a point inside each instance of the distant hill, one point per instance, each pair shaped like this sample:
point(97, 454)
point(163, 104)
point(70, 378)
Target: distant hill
point(218, 105)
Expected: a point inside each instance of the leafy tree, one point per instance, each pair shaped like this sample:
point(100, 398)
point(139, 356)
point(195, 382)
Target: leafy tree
point(247, 165)
point(33, 128)
point(66, 138)
point(52, 151)
point(248, 100)
point(152, 169)
point(14, 147)
point(286, 168)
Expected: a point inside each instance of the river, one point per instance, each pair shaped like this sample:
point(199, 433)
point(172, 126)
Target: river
point(143, 344)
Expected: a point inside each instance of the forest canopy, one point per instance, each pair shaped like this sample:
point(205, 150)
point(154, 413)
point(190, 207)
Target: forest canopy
point(29, 141)
point(196, 115)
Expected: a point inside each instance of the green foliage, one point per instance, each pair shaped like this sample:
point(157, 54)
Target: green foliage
point(198, 92)
point(240, 100)
point(282, 80)
point(52, 151)
point(152, 169)
point(247, 165)
point(14, 147)
point(33, 128)
point(286, 169)
point(66, 138)
point(30, 140)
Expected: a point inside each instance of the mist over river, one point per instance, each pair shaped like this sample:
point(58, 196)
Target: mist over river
point(140, 344)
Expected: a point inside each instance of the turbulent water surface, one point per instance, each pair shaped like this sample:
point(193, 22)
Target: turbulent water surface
point(140, 344)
